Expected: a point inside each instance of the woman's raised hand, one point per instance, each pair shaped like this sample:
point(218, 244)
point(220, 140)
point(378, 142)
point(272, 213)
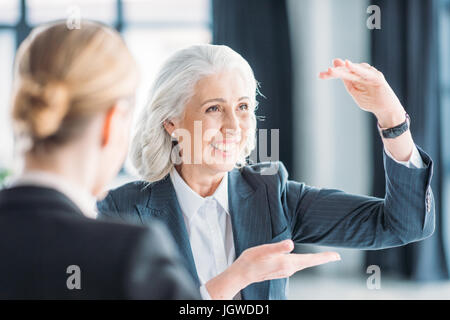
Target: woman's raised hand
point(369, 89)
point(264, 262)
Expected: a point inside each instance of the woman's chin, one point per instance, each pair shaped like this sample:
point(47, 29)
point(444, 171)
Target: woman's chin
point(221, 165)
point(221, 161)
point(221, 168)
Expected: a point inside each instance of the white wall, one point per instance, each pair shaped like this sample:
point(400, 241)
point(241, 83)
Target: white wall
point(332, 130)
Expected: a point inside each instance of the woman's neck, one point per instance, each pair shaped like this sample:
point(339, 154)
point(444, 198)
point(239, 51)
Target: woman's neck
point(65, 164)
point(200, 180)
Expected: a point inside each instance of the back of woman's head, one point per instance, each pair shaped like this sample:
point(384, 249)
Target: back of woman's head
point(64, 77)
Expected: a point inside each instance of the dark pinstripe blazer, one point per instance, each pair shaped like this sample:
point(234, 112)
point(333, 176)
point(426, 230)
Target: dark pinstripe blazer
point(270, 208)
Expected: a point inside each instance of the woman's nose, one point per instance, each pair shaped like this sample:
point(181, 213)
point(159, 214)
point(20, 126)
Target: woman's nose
point(231, 122)
point(231, 128)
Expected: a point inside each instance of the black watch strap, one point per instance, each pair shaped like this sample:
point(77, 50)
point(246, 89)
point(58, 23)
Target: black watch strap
point(396, 131)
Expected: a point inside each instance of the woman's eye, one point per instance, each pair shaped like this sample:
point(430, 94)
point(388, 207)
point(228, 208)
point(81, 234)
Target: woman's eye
point(212, 109)
point(243, 106)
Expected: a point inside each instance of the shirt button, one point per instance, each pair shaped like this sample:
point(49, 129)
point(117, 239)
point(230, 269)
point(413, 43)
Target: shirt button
point(428, 200)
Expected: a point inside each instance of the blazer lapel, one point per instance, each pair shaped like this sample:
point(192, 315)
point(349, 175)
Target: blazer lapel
point(163, 205)
point(250, 218)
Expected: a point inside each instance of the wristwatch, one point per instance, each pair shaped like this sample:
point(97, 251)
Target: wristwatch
point(396, 131)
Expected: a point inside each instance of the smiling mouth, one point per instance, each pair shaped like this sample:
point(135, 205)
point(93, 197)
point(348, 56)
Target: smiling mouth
point(226, 148)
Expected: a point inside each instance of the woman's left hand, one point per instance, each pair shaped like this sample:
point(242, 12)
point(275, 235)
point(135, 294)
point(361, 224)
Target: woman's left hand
point(369, 89)
point(372, 93)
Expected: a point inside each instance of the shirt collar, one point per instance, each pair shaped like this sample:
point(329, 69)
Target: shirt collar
point(221, 194)
point(83, 199)
point(190, 201)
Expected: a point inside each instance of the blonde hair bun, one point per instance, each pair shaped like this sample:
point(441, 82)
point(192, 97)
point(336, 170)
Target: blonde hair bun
point(41, 108)
point(63, 78)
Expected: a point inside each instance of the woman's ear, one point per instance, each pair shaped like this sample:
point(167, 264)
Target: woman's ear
point(116, 116)
point(106, 132)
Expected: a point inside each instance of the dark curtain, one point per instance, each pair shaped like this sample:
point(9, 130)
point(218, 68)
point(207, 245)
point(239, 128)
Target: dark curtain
point(258, 30)
point(406, 50)
point(23, 28)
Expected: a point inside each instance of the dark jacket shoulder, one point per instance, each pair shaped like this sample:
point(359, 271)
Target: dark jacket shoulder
point(272, 174)
point(50, 237)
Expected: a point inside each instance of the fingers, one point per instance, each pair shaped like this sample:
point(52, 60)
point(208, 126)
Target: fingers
point(338, 63)
point(362, 71)
point(340, 73)
point(347, 79)
point(284, 246)
point(273, 261)
point(349, 71)
point(303, 261)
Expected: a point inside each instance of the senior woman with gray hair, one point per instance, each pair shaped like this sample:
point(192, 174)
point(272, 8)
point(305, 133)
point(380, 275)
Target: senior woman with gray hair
point(236, 225)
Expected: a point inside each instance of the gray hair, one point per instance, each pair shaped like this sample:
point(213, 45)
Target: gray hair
point(151, 146)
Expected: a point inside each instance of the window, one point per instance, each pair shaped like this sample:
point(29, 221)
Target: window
point(9, 13)
point(41, 11)
point(153, 29)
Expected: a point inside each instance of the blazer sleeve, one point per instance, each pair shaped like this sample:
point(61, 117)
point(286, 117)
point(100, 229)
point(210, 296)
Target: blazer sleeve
point(156, 270)
point(332, 217)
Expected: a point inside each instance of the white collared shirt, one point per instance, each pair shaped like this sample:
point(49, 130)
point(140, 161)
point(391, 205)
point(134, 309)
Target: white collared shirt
point(208, 224)
point(415, 161)
point(82, 198)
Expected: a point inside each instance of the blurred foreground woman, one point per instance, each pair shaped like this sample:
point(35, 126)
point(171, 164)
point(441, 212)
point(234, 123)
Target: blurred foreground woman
point(72, 104)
